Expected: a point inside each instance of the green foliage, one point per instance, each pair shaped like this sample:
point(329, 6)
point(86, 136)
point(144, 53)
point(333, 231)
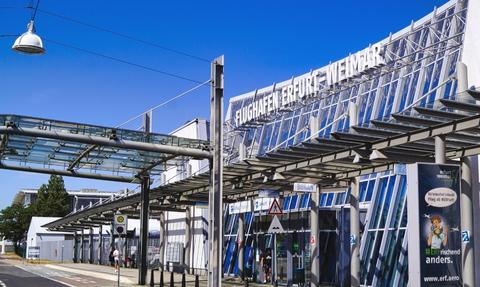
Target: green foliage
point(52, 199)
point(14, 222)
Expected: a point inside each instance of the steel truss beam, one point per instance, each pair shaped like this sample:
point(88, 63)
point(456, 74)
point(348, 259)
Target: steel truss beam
point(101, 141)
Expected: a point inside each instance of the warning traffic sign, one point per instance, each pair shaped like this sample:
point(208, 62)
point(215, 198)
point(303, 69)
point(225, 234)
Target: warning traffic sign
point(275, 226)
point(275, 208)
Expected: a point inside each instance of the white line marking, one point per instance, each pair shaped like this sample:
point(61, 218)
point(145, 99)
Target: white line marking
point(38, 274)
point(2, 284)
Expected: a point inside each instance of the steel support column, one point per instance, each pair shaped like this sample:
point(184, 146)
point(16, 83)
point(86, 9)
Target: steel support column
point(354, 213)
point(100, 244)
point(143, 242)
point(315, 269)
point(82, 257)
point(112, 239)
point(241, 244)
point(188, 239)
point(466, 197)
point(163, 238)
point(215, 204)
point(75, 247)
point(90, 246)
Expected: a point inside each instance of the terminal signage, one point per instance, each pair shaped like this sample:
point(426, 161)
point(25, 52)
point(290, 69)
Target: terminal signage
point(304, 187)
point(261, 204)
point(239, 207)
point(434, 236)
point(309, 85)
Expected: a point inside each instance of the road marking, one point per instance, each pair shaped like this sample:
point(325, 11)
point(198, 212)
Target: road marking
point(2, 284)
point(90, 273)
point(43, 276)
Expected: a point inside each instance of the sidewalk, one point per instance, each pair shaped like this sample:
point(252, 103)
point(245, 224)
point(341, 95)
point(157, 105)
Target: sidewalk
point(129, 277)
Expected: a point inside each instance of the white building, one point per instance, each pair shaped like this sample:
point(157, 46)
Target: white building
point(45, 244)
point(175, 221)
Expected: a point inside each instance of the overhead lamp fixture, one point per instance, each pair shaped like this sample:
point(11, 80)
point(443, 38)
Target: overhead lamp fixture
point(376, 155)
point(361, 156)
point(277, 176)
point(29, 43)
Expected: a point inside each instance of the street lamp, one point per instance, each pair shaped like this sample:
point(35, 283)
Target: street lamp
point(29, 43)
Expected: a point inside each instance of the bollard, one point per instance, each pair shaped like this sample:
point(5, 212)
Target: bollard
point(172, 284)
point(197, 282)
point(161, 278)
point(151, 279)
point(276, 283)
point(184, 283)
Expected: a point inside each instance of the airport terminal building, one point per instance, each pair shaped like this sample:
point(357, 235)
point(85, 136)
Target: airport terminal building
point(363, 172)
point(406, 80)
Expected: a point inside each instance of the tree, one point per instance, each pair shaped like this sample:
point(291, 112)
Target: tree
point(14, 222)
point(52, 199)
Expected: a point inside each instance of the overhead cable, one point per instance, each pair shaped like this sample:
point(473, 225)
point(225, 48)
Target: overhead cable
point(122, 61)
point(166, 102)
point(129, 37)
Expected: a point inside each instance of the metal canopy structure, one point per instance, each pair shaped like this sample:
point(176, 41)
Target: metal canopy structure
point(80, 150)
point(329, 161)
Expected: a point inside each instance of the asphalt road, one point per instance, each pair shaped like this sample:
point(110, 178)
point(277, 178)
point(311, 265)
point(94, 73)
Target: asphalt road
point(12, 276)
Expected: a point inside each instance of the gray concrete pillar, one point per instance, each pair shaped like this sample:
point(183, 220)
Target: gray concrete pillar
point(354, 213)
point(440, 149)
point(466, 203)
point(188, 239)
point(467, 223)
point(241, 244)
point(314, 235)
point(354, 234)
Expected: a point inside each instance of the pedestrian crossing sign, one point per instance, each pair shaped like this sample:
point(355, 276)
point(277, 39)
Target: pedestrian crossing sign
point(275, 208)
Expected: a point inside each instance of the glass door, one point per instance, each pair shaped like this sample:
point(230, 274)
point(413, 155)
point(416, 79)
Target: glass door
point(281, 258)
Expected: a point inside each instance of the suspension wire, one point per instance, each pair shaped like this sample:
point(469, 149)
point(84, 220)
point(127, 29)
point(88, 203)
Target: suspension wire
point(35, 11)
point(165, 102)
point(122, 61)
point(132, 38)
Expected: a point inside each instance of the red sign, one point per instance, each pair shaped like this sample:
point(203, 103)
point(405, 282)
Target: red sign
point(275, 208)
point(312, 239)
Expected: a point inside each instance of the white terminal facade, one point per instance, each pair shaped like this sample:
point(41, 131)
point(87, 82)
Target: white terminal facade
point(414, 67)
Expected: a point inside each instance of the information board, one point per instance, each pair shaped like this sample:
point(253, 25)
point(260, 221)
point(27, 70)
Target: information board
point(434, 236)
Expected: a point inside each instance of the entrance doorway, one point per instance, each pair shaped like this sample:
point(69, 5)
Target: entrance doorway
point(290, 257)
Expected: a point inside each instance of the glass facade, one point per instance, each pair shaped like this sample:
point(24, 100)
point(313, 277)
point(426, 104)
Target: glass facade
point(419, 64)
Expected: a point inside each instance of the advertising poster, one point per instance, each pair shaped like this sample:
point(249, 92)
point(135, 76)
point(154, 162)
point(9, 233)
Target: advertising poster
point(434, 245)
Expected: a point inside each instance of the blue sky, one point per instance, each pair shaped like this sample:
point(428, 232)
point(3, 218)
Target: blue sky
point(263, 42)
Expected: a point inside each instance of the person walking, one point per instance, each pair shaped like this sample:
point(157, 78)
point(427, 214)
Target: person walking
point(116, 258)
